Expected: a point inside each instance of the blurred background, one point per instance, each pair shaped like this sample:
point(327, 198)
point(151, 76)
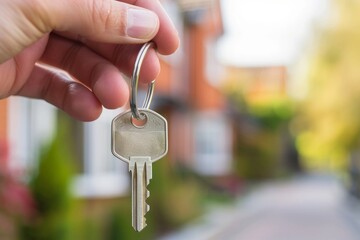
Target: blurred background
point(262, 101)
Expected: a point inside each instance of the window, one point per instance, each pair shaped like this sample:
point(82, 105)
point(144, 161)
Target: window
point(213, 144)
point(102, 174)
point(32, 124)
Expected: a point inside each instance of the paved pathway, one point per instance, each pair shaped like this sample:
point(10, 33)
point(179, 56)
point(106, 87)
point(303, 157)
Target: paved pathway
point(305, 208)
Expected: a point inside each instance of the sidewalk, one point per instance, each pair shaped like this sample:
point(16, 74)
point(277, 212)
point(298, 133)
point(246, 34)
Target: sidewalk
point(304, 208)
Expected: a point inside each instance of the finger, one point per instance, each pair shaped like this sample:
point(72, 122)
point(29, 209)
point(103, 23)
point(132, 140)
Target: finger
point(102, 20)
point(97, 73)
point(124, 57)
point(15, 71)
point(167, 39)
point(57, 89)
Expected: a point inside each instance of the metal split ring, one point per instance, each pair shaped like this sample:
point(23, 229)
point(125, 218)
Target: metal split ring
point(135, 80)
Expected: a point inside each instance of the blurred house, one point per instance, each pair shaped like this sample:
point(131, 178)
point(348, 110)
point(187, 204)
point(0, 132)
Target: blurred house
point(186, 93)
point(207, 144)
point(259, 83)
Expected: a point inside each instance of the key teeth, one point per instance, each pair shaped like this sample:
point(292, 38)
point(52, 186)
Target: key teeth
point(141, 176)
point(148, 178)
point(146, 204)
point(146, 211)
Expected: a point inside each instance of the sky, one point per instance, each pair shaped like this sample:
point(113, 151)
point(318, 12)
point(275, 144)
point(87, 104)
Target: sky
point(268, 32)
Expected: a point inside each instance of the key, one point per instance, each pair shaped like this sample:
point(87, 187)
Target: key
point(139, 143)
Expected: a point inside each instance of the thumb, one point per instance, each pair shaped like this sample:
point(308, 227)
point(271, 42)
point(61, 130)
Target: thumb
point(103, 20)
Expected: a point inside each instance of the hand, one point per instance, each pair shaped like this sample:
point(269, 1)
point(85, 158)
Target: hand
point(90, 39)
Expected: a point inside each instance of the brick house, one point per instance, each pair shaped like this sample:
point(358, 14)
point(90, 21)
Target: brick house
point(186, 92)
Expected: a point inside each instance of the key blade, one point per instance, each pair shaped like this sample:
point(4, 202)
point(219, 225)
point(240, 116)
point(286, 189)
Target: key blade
point(141, 169)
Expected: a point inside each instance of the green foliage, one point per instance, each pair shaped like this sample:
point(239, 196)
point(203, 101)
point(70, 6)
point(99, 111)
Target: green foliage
point(329, 126)
point(273, 114)
point(88, 228)
point(119, 225)
point(270, 114)
point(50, 188)
point(257, 156)
point(174, 200)
point(257, 151)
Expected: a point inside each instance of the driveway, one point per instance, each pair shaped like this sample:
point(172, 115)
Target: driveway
point(311, 207)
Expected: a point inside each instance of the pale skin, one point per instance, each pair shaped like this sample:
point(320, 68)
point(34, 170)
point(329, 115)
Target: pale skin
point(93, 40)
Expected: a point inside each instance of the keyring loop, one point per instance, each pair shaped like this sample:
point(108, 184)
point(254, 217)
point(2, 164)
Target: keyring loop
point(135, 80)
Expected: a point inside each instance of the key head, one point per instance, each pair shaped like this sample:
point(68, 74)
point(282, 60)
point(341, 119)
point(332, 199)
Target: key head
point(131, 137)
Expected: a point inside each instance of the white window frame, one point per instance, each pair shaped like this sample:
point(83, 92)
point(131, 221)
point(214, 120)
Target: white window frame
point(32, 124)
point(98, 180)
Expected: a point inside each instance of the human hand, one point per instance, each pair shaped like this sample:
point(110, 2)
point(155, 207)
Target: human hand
point(90, 39)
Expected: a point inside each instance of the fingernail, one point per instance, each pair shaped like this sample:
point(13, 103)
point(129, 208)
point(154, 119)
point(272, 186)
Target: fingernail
point(141, 24)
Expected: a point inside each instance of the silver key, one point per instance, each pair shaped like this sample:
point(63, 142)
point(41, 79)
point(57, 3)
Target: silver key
point(139, 144)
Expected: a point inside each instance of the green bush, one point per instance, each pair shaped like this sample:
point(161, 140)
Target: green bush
point(119, 225)
point(50, 187)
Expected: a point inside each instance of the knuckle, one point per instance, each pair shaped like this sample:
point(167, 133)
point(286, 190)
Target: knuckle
point(101, 11)
point(104, 16)
point(36, 14)
point(118, 54)
point(71, 56)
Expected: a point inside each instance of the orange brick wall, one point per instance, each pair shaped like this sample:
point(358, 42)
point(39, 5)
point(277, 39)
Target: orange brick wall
point(204, 96)
point(260, 82)
point(3, 120)
point(3, 133)
point(163, 81)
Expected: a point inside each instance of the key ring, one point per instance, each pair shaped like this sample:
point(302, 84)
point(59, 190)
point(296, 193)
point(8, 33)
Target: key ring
point(135, 80)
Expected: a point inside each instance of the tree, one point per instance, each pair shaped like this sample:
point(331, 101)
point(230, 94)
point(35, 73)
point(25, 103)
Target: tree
point(329, 121)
